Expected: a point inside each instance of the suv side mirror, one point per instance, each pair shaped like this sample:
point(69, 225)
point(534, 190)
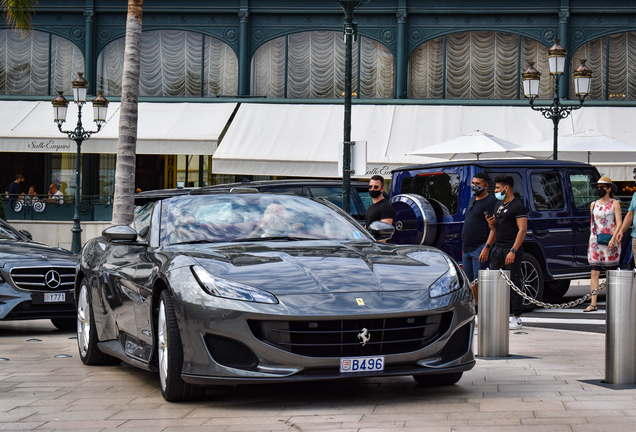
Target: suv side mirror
point(26, 234)
point(381, 230)
point(121, 235)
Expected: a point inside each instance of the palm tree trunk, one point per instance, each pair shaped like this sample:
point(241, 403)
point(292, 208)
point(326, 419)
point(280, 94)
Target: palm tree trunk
point(124, 205)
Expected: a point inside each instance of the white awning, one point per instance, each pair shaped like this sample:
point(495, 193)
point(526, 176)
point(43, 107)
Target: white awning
point(164, 128)
point(302, 140)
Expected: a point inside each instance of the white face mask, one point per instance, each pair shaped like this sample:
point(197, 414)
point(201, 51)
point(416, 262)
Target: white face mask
point(501, 195)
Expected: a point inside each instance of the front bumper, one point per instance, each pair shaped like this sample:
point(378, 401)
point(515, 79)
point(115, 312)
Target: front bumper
point(202, 316)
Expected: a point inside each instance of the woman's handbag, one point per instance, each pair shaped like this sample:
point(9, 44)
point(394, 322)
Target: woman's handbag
point(603, 239)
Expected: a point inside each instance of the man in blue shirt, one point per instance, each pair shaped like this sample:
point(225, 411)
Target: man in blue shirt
point(627, 222)
point(13, 190)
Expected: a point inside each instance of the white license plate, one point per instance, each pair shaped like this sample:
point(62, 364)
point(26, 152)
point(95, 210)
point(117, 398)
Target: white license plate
point(361, 364)
point(54, 297)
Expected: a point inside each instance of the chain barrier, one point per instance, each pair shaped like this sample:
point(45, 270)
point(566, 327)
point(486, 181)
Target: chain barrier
point(573, 303)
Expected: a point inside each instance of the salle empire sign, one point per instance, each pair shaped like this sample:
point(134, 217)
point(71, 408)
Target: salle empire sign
point(379, 170)
point(48, 146)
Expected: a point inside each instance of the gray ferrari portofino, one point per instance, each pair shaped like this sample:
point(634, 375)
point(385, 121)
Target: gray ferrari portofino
point(234, 288)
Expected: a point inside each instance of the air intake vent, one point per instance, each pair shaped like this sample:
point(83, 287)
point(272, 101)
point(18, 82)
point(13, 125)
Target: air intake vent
point(337, 338)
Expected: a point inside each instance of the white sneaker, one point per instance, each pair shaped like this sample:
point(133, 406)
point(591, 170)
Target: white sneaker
point(515, 323)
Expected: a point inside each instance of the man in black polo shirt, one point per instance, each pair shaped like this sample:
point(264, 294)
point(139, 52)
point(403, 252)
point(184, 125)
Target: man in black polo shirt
point(475, 231)
point(508, 229)
point(381, 209)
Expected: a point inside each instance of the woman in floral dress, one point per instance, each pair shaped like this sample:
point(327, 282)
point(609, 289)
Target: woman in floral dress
point(606, 217)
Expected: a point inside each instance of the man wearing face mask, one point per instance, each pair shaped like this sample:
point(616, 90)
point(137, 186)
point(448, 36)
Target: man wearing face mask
point(381, 209)
point(508, 225)
point(475, 231)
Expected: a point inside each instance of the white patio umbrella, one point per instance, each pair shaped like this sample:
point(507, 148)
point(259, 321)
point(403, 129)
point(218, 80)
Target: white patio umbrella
point(588, 146)
point(476, 143)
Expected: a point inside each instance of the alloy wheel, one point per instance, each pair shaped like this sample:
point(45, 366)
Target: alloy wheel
point(162, 344)
point(83, 321)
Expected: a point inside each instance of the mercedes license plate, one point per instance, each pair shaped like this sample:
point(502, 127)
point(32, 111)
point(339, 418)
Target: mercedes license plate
point(361, 364)
point(54, 297)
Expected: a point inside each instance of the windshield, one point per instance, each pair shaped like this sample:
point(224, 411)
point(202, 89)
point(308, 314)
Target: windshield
point(251, 217)
point(7, 233)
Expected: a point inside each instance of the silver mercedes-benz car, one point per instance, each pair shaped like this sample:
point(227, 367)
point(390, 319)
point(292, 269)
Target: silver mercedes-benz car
point(239, 287)
point(36, 280)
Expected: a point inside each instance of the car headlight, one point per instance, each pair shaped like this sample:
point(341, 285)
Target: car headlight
point(449, 282)
point(224, 288)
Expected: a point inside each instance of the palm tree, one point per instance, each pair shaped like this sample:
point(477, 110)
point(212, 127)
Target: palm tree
point(18, 13)
point(124, 205)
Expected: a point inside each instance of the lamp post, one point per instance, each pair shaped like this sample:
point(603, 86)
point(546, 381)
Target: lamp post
point(349, 30)
point(79, 134)
point(557, 111)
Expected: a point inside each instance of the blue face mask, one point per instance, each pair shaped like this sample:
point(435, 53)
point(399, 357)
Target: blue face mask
point(500, 195)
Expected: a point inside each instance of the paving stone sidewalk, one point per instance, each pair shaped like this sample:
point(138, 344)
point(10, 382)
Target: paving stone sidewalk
point(550, 383)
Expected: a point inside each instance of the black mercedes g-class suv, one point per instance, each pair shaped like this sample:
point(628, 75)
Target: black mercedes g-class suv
point(431, 200)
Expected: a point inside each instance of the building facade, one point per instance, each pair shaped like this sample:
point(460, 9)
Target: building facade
point(288, 51)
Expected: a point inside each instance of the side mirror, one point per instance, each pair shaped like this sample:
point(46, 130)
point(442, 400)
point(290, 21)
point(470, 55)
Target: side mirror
point(26, 234)
point(120, 235)
point(381, 230)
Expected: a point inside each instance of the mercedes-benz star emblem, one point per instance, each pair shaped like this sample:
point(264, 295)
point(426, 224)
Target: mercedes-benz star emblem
point(52, 279)
point(399, 226)
point(364, 337)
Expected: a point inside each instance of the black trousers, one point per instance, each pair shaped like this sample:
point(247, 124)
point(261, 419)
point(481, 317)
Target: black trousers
point(498, 261)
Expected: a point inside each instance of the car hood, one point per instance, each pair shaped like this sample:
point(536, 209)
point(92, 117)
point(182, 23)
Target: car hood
point(325, 267)
point(12, 250)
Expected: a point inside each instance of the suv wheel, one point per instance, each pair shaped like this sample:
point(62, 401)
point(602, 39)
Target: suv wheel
point(531, 280)
point(415, 220)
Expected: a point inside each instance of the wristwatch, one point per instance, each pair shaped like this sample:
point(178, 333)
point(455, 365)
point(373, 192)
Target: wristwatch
point(513, 250)
point(487, 246)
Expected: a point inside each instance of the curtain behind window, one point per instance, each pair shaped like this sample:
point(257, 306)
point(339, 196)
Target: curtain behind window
point(24, 63)
point(315, 67)
point(619, 81)
point(479, 65)
point(171, 65)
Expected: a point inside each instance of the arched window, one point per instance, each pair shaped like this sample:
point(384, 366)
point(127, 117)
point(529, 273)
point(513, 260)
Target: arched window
point(616, 82)
point(27, 69)
point(172, 62)
point(311, 65)
point(475, 65)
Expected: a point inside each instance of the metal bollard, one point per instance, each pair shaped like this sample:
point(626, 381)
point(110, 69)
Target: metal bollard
point(494, 306)
point(620, 339)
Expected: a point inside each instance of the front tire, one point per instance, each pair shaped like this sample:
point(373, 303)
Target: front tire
point(170, 355)
point(531, 280)
point(438, 380)
point(87, 334)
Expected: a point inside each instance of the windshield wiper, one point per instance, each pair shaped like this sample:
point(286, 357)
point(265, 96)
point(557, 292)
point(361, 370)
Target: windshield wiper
point(193, 242)
point(248, 239)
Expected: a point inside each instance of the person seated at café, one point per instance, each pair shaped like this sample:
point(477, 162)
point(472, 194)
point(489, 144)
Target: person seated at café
point(55, 195)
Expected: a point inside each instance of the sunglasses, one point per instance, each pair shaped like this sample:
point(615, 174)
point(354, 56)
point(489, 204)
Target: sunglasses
point(375, 187)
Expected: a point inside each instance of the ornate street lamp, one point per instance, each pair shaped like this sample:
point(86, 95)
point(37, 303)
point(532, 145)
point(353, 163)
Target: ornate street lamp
point(555, 112)
point(349, 30)
point(79, 134)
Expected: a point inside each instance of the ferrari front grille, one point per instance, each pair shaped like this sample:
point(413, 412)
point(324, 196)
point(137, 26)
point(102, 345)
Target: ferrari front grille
point(354, 337)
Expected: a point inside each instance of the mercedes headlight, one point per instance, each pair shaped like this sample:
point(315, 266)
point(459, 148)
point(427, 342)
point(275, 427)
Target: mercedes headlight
point(224, 288)
point(449, 282)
